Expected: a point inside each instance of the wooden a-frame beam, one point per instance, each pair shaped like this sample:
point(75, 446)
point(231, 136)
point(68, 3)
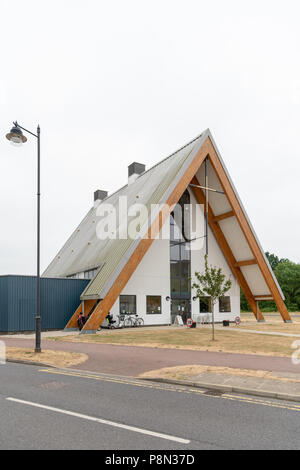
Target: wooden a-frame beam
point(225, 248)
point(108, 301)
point(264, 297)
point(247, 231)
point(226, 215)
point(247, 262)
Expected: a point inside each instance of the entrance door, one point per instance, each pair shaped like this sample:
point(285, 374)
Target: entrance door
point(181, 307)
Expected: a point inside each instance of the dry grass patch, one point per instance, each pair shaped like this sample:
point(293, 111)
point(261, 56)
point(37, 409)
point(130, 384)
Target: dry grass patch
point(195, 339)
point(52, 358)
point(273, 323)
point(189, 372)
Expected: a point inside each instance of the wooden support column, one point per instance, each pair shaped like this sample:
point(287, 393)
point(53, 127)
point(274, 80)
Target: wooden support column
point(88, 305)
point(226, 250)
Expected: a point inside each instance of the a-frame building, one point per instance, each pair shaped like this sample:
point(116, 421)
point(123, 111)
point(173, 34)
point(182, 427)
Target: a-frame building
point(122, 267)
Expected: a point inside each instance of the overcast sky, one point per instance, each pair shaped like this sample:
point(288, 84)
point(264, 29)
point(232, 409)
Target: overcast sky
point(112, 82)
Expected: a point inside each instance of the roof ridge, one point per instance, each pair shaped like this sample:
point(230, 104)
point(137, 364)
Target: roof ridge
point(172, 154)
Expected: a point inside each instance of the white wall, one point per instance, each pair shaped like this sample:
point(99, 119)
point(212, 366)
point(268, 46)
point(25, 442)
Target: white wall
point(151, 277)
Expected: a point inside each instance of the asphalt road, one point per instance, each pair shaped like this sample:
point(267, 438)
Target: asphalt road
point(51, 409)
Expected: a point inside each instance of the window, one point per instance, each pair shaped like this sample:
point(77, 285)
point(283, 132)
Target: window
point(175, 287)
point(224, 304)
point(175, 252)
point(205, 304)
point(90, 274)
point(73, 276)
point(175, 268)
point(128, 304)
point(153, 304)
point(180, 255)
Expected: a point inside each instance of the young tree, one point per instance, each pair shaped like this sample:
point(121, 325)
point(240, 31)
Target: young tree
point(211, 283)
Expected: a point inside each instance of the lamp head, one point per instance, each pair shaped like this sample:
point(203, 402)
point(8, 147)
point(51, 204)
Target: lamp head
point(15, 136)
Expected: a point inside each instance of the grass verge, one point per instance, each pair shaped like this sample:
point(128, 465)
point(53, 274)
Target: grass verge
point(52, 358)
point(195, 339)
point(190, 372)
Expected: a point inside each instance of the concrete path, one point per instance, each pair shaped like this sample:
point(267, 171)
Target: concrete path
point(276, 385)
point(44, 334)
point(261, 332)
point(134, 360)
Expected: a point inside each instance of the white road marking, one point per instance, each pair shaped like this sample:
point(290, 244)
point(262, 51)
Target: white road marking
point(102, 421)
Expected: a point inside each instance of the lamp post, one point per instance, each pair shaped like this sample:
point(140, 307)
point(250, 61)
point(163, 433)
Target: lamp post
point(16, 137)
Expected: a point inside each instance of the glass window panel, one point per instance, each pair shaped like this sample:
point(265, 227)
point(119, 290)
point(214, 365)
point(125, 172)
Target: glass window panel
point(224, 304)
point(175, 268)
point(175, 286)
point(153, 304)
point(175, 252)
point(128, 304)
point(205, 304)
point(185, 287)
point(171, 233)
point(185, 269)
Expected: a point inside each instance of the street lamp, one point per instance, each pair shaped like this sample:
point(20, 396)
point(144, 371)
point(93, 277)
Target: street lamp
point(16, 137)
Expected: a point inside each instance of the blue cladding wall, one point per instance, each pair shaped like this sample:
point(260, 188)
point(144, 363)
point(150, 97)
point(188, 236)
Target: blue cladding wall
point(59, 300)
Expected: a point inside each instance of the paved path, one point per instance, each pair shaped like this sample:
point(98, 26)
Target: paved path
point(133, 360)
point(262, 332)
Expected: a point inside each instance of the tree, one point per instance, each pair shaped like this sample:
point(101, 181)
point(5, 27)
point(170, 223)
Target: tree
point(211, 283)
point(288, 275)
point(273, 260)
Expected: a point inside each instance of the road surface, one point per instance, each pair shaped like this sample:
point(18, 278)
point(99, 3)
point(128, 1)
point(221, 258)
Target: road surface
point(44, 408)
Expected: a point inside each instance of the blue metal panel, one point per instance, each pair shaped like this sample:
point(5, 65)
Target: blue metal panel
point(3, 304)
point(59, 299)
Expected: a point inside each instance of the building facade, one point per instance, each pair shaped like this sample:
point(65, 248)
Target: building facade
point(160, 288)
point(141, 246)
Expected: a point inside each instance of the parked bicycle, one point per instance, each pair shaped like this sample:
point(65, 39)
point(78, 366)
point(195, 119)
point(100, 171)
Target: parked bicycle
point(132, 320)
point(120, 321)
point(128, 320)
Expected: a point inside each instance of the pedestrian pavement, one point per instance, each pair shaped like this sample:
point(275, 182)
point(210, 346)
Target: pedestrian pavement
point(261, 332)
point(284, 386)
point(44, 334)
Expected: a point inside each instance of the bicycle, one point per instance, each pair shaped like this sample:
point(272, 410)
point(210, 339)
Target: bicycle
point(120, 321)
point(132, 320)
point(137, 321)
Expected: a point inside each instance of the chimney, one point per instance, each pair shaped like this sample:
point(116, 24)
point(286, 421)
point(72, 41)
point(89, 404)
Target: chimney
point(99, 195)
point(135, 170)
